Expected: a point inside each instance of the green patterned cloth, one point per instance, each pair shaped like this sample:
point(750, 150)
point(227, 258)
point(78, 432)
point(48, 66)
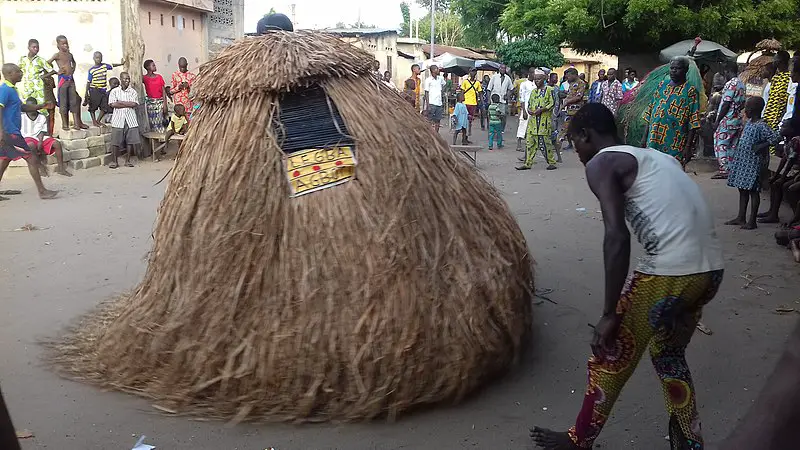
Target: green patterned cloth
point(32, 84)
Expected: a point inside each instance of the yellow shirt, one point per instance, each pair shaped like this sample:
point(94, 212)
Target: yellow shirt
point(471, 90)
point(176, 123)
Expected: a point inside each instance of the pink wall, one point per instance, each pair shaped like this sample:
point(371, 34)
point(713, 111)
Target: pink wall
point(180, 35)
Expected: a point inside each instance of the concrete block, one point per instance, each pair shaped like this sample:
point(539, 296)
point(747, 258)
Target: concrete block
point(107, 137)
point(106, 129)
point(71, 134)
point(76, 164)
point(76, 154)
point(95, 141)
point(88, 163)
point(100, 150)
point(93, 132)
point(106, 159)
point(75, 144)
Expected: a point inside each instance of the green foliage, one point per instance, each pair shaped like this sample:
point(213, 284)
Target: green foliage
point(523, 54)
point(481, 19)
point(449, 29)
point(405, 28)
point(635, 26)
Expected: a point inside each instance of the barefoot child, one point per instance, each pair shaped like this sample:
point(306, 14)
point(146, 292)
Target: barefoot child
point(68, 99)
point(178, 124)
point(409, 93)
point(113, 83)
point(97, 89)
point(750, 159)
point(461, 120)
point(34, 130)
point(12, 145)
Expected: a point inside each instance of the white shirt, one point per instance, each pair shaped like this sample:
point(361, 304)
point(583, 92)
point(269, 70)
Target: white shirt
point(500, 85)
point(766, 93)
point(390, 84)
point(790, 104)
point(525, 91)
point(669, 216)
point(433, 86)
point(32, 128)
point(123, 116)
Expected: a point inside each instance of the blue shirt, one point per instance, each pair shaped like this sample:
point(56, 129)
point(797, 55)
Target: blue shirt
point(461, 114)
point(12, 108)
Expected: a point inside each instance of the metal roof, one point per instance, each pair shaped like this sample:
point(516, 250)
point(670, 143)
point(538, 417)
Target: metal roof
point(355, 32)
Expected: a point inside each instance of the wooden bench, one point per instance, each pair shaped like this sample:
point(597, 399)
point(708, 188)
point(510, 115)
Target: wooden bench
point(155, 138)
point(469, 151)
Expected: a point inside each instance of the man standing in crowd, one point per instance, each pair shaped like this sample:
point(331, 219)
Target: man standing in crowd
point(539, 108)
point(573, 101)
point(596, 90)
point(418, 90)
point(34, 71)
point(434, 85)
point(124, 124)
point(660, 303)
point(12, 144)
point(673, 116)
point(552, 81)
point(612, 92)
point(485, 101)
point(500, 84)
point(471, 87)
point(631, 81)
point(778, 95)
point(729, 119)
point(525, 89)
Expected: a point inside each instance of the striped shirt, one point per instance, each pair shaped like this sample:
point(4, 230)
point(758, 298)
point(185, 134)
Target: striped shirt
point(98, 76)
point(123, 117)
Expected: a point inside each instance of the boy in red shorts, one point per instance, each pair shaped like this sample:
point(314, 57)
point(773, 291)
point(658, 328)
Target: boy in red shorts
point(34, 130)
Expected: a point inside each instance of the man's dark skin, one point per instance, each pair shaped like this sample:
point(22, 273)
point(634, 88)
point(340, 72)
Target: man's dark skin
point(678, 68)
point(609, 176)
point(124, 81)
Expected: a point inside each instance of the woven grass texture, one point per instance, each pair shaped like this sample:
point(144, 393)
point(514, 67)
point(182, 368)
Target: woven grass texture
point(406, 286)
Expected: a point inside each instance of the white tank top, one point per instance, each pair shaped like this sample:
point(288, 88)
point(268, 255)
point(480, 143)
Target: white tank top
point(669, 216)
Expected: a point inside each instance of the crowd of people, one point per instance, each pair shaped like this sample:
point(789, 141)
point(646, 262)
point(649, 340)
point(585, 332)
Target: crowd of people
point(28, 107)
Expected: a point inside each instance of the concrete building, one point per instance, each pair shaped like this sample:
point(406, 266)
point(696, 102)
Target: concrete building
point(409, 50)
point(382, 43)
point(589, 64)
point(195, 29)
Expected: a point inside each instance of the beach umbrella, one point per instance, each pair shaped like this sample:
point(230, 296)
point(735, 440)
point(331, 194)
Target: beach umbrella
point(312, 262)
point(483, 64)
point(707, 52)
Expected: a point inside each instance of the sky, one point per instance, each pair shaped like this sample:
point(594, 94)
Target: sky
point(326, 13)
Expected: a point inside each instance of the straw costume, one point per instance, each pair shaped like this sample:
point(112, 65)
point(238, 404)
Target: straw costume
point(310, 261)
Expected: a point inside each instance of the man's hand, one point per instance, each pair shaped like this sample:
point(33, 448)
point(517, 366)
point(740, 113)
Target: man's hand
point(605, 335)
point(539, 112)
point(525, 114)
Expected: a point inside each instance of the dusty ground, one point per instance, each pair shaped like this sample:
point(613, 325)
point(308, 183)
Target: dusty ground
point(91, 245)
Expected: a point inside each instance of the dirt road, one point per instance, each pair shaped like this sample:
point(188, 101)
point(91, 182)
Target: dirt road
point(91, 243)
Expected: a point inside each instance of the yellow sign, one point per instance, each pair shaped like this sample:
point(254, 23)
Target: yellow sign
point(319, 168)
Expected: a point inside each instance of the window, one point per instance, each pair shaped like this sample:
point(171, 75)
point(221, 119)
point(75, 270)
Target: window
point(149, 18)
point(192, 24)
point(173, 21)
point(389, 64)
point(162, 20)
point(183, 23)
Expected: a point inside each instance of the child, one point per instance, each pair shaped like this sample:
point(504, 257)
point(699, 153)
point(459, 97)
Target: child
point(34, 130)
point(749, 163)
point(178, 124)
point(781, 181)
point(461, 120)
point(113, 83)
point(68, 99)
point(96, 88)
point(410, 92)
point(495, 122)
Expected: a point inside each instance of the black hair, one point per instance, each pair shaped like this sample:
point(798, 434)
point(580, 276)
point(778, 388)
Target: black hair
point(782, 56)
point(633, 71)
point(175, 108)
point(754, 103)
point(113, 79)
point(593, 116)
point(496, 98)
point(274, 22)
point(571, 70)
point(147, 64)
point(32, 100)
point(61, 37)
point(32, 41)
point(415, 65)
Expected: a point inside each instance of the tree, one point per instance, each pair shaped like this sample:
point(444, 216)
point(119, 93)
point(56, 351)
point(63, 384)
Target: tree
point(133, 54)
point(441, 5)
point(523, 54)
point(405, 28)
point(637, 26)
point(481, 19)
point(449, 29)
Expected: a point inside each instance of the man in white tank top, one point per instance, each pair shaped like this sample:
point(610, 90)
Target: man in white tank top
point(660, 303)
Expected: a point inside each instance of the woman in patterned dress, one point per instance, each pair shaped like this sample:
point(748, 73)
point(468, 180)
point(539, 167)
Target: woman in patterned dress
point(749, 162)
point(182, 81)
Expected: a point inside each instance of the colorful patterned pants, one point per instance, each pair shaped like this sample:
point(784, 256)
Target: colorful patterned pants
point(542, 144)
point(660, 312)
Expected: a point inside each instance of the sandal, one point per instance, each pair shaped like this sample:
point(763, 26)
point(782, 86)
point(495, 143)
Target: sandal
point(113, 165)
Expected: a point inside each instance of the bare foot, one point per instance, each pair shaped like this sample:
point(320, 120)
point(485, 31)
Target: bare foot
point(65, 127)
point(749, 226)
point(113, 165)
point(3, 198)
point(97, 124)
point(76, 127)
point(47, 194)
point(64, 172)
point(736, 221)
point(83, 126)
point(763, 215)
point(795, 246)
point(552, 440)
point(768, 219)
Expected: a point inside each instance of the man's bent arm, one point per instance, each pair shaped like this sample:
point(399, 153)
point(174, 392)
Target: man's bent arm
point(606, 185)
